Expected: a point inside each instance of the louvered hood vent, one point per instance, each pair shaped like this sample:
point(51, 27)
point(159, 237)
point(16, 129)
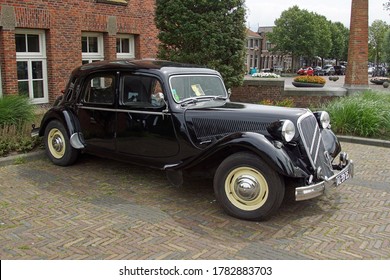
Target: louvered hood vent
point(206, 128)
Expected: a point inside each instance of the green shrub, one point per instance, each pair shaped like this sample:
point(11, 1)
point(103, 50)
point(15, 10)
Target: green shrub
point(287, 102)
point(365, 114)
point(16, 117)
point(15, 110)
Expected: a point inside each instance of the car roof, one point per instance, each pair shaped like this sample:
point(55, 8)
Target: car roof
point(162, 66)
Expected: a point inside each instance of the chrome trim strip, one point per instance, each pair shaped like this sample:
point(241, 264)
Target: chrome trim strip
point(311, 191)
point(124, 111)
point(312, 144)
point(299, 125)
point(318, 148)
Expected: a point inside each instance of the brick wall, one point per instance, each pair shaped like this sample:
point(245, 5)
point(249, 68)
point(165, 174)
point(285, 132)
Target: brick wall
point(257, 90)
point(63, 22)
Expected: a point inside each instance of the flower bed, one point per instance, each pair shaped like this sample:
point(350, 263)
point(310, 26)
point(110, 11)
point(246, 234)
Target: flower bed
point(265, 75)
point(309, 81)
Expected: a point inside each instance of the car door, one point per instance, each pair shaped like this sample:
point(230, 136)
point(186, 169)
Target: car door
point(144, 126)
point(97, 113)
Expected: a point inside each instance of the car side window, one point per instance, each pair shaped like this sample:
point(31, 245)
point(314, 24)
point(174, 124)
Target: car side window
point(100, 89)
point(142, 92)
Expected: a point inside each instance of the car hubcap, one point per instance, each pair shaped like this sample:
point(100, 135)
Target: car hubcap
point(56, 143)
point(246, 188)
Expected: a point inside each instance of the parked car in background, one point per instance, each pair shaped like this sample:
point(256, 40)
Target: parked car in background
point(278, 69)
point(306, 71)
point(339, 70)
point(380, 71)
point(371, 70)
point(328, 70)
point(178, 118)
point(318, 71)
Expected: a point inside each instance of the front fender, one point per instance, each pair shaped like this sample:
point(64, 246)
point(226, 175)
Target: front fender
point(257, 143)
point(332, 144)
point(68, 118)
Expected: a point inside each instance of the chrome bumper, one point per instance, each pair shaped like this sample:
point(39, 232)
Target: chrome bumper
point(314, 190)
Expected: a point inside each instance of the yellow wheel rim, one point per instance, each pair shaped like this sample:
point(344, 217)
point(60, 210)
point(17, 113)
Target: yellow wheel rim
point(56, 143)
point(246, 188)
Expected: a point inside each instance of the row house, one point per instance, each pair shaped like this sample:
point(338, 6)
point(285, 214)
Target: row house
point(41, 42)
point(259, 54)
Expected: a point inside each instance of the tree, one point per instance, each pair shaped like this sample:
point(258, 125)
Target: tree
point(293, 33)
point(205, 32)
point(386, 46)
point(386, 5)
point(323, 43)
point(340, 41)
point(376, 37)
point(303, 34)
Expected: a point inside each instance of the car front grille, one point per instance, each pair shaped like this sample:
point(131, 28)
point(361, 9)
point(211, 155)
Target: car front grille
point(311, 137)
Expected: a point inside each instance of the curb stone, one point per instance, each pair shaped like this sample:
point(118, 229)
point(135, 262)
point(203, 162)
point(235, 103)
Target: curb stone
point(364, 141)
point(10, 160)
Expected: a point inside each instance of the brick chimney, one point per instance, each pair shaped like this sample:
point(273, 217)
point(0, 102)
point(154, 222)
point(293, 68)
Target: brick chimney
point(357, 73)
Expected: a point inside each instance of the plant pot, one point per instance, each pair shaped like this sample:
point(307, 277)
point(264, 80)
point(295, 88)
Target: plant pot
point(378, 81)
point(300, 84)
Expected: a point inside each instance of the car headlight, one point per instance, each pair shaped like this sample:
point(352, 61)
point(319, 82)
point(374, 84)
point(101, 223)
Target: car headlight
point(323, 119)
point(283, 130)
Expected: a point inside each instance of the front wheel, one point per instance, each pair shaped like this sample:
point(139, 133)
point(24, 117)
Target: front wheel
point(247, 187)
point(57, 144)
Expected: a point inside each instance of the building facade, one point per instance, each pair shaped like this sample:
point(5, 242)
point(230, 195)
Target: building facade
point(268, 59)
point(253, 52)
point(42, 41)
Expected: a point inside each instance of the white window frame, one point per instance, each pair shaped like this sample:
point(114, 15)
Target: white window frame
point(93, 56)
point(131, 53)
point(30, 57)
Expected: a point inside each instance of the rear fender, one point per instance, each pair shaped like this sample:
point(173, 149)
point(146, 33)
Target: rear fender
point(71, 123)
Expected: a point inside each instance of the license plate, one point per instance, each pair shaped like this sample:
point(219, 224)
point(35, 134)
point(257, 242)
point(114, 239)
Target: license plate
point(342, 177)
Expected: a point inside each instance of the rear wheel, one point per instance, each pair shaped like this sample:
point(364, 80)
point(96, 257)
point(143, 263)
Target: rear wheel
point(247, 188)
point(57, 144)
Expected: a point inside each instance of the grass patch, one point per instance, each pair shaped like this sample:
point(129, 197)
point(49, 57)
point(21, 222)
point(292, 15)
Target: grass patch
point(365, 114)
point(15, 110)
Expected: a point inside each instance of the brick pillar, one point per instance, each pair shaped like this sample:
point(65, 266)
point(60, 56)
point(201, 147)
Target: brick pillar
point(109, 46)
point(8, 61)
point(357, 73)
point(110, 38)
point(8, 50)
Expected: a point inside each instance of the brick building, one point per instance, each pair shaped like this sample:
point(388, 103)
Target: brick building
point(259, 54)
point(269, 59)
point(253, 50)
point(42, 41)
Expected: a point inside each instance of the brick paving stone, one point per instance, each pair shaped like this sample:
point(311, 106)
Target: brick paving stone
point(101, 209)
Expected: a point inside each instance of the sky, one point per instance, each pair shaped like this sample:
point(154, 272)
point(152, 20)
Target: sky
point(264, 12)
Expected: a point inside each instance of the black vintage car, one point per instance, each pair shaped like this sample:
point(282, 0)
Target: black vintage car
point(178, 118)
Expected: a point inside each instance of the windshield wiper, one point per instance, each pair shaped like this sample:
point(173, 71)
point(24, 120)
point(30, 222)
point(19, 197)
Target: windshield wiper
point(189, 100)
point(220, 97)
point(194, 100)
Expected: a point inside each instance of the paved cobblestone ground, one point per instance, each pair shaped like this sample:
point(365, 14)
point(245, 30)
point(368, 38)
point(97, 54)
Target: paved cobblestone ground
point(99, 209)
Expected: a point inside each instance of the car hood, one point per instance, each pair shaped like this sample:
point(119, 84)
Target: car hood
point(214, 119)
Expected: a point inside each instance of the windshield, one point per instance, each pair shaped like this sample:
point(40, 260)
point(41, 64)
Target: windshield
point(187, 87)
